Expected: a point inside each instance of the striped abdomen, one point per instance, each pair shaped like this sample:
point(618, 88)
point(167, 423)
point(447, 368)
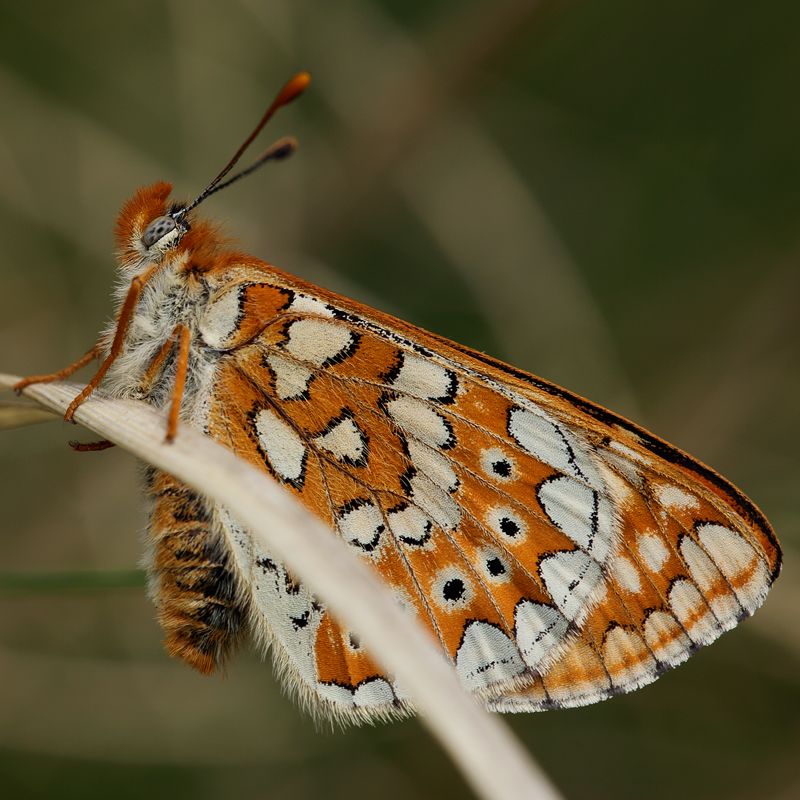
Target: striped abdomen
point(190, 576)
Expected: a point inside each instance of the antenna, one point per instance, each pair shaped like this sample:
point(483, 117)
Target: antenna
point(283, 148)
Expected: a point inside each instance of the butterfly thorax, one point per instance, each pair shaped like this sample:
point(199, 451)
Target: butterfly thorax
point(172, 297)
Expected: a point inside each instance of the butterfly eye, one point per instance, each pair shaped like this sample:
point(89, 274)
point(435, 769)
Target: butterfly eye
point(158, 229)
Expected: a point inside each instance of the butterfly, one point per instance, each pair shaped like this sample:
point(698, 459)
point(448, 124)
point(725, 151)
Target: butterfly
point(557, 552)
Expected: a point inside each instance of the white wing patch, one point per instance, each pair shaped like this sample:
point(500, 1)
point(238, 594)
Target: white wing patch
point(486, 656)
point(282, 445)
point(373, 693)
point(673, 496)
point(581, 513)
point(318, 342)
point(410, 525)
point(433, 464)
point(539, 630)
point(362, 526)
point(543, 440)
point(344, 441)
point(424, 378)
point(291, 378)
point(626, 574)
point(437, 504)
point(303, 304)
point(419, 421)
point(652, 550)
point(220, 320)
point(691, 611)
point(570, 577)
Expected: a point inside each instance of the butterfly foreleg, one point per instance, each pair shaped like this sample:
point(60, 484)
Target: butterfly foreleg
point(131, 300)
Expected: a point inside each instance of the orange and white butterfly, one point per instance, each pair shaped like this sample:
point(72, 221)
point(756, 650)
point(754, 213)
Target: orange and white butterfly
point(559, 553)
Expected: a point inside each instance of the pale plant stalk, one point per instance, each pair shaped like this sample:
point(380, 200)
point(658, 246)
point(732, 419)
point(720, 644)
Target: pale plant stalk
point(492, 761)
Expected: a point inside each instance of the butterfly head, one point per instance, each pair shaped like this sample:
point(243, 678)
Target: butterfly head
point(155, 231)
point(147, 228)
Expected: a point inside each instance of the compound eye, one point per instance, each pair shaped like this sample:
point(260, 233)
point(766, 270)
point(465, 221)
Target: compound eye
point(158, 229)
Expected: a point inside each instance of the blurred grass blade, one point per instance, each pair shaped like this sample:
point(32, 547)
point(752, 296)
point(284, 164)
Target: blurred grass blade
point(15, 415)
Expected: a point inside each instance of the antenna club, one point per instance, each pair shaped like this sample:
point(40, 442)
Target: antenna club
point(294, 87)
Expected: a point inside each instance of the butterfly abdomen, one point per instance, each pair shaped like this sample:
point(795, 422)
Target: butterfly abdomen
point(192, 584)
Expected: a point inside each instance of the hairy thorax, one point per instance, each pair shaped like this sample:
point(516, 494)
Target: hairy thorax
point(173, 296)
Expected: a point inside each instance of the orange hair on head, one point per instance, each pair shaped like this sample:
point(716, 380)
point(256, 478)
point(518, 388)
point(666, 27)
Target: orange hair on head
point(146, 204)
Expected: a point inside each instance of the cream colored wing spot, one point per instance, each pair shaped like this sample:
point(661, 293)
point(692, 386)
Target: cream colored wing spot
point(625, 574)
point(674, 497)
point(486, 655)
point(538, 629)
point(666, 639)
point(345, 441)
point(720, 598)
point(570, 577)
point(738, 562)
point(546, 441)
point(284, 449)
point(318, 342)
point(338, 695)
point(652, 550)
point(423, 378)
point(435, 502)
point(419, 421)
point(410, 525)
point(304, 304)
point(221, 319)
point(361, 524)
point(627, 658)
point(580, 512)
point(291, 378)
point(691, 611)
point(433, 465)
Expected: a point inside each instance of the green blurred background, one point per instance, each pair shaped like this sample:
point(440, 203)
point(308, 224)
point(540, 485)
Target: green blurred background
point(604, 193)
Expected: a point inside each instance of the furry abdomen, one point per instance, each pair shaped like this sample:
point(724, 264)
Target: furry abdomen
point(190, 578)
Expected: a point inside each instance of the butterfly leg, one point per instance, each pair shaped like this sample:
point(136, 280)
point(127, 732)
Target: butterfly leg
point(62, 373)
point(180, 380)
point(95, 352)
point(181, 333)
point(134, 293)
point(90, 447)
